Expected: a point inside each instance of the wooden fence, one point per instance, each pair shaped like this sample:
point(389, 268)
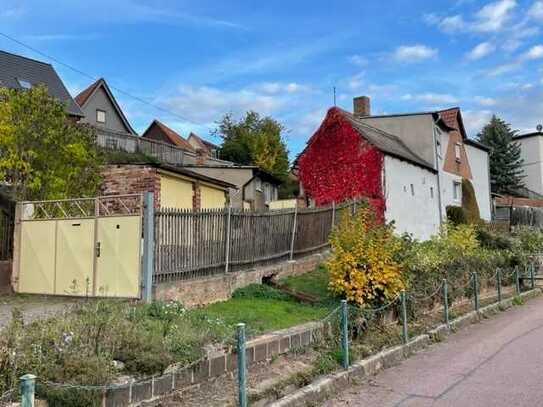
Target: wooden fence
point(192, 244)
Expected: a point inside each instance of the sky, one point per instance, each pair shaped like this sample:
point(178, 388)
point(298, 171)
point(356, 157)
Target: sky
point(194, 61)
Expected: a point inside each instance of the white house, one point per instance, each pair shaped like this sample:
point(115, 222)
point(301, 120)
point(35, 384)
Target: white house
point(531, 151)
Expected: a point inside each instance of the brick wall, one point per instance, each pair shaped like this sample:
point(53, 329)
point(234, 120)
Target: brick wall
point(196, 196)
point(513, 201)
point(130, 179)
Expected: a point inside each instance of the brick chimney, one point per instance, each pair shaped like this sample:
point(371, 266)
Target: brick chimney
point(361, 106)
point(201, 156)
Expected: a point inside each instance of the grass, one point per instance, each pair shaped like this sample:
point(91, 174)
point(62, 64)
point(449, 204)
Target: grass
point(314, 283)
point(263, 309)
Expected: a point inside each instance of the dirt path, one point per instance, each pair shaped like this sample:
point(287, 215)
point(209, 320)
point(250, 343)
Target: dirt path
point(32, 306)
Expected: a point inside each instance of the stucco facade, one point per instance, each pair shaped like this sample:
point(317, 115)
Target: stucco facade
point(478, 160)
point(531, 149)
point(411, 198)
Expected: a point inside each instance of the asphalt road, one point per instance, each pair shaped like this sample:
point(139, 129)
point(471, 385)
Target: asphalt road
point(498, 362)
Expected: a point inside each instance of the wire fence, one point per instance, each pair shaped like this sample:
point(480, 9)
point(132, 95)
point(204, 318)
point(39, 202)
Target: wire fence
point(348, 332)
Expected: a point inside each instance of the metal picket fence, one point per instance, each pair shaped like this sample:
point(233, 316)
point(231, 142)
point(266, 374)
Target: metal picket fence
point(191, 244)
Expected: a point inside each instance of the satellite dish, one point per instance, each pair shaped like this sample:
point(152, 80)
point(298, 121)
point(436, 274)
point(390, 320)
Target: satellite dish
point(539, 128)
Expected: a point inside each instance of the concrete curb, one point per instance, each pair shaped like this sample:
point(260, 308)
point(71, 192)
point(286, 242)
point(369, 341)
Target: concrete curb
point(330, 384)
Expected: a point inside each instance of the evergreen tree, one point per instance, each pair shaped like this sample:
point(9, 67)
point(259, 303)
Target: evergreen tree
point(506, 171)
point(254, 140)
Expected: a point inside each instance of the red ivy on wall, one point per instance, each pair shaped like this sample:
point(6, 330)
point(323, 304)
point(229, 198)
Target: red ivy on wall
point(338, 164)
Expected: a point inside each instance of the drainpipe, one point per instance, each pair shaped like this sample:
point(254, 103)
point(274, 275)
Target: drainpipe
point(438, 177)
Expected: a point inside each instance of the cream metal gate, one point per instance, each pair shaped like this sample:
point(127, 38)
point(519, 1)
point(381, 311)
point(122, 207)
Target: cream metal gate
point(79, 247)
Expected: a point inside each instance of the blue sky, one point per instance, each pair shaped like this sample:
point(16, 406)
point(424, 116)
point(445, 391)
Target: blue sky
point(201, 59)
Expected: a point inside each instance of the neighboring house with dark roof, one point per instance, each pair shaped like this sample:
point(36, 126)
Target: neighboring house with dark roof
point(18, 72)
point(347, 158)
point(158, 131)
point(101, 109)
point(254, 187)
point(199, 144)
point(531, 148)
point(439, 137)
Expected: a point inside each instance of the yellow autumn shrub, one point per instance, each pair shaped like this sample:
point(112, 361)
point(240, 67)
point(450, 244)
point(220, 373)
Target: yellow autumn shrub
point(363, 266)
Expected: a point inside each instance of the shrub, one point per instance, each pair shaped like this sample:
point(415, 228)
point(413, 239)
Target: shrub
point(260, 291)
point(363, 265)
point(456, 215)
point(469, 202)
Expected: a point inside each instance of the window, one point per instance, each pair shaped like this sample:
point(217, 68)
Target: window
point(111, 143)
point(258, 184)
point(24, 83)
point(100, 116)
point(431, 192)
point(412, 189)
point(267, 192)
point(457, 151)
point(457, 191)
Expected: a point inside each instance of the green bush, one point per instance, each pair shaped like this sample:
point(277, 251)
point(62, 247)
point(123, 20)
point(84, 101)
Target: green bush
point(260, 291)
point(456, 215)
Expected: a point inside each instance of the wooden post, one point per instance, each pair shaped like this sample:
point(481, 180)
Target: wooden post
point(228, 231)
point(293, 232)
point(148, 245)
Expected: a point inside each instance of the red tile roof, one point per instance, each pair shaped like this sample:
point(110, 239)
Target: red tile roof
point(84, 95)
point(450, 116)
point(173, 136)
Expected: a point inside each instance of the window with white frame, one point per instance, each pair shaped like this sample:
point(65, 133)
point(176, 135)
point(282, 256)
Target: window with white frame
point(258, 184)
point(24, 83)
point(100, 116)
point(457, 151)
point(457, 191)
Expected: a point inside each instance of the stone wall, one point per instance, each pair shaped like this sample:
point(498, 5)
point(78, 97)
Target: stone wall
point(198, 292)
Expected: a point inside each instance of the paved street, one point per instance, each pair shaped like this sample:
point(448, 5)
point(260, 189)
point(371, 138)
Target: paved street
point(496, 363)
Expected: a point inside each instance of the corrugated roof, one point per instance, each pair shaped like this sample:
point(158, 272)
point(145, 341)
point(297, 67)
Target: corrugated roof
point(14, 67)
point(386, 142)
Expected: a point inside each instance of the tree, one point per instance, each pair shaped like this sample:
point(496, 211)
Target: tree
point(254, 140)
point(43, 153)
point(505, 163)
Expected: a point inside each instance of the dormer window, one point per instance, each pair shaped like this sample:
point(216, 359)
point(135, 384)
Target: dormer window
point(24, 83)
point(100, 116)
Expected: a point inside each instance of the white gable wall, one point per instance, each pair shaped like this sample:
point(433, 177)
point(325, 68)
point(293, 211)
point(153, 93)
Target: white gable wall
point(478, 161)
point(531, 151)
point(413, 211)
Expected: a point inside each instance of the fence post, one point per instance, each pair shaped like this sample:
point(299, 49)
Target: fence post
point(446, 302)
point(517, 281)
point(333, 214)
point(242, 393)
point(532, 278)
point(293, 232)
point(28, 388)
point(405, 334)
point(499, 284)
point(475, 283)
point(228, 231)
point(345, 333)
point(148, 245)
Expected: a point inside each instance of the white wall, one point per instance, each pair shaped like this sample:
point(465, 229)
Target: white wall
point(446, 179)
point(478, 161)
point(418, 213)
point(531, 152)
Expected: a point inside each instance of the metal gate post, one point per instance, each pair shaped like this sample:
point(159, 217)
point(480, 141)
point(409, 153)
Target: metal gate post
point(148, 245)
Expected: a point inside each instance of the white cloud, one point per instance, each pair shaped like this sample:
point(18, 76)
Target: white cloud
point(503, 68)
point(493, 16)
point(12, 12)
point(536, 11)
point(452, 23)
point(535, 52)
point(280, 87)
point(414, 53)
point(475, 120)
point(358, 60)
point(431, 98)
point(62, 37)
point(357, 81)
point(481, 50)
point(485, 101)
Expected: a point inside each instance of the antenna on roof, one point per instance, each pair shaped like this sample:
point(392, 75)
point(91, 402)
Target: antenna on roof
point(334, 95)
point(539, 128)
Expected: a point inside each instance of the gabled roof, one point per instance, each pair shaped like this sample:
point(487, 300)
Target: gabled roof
point(86, 94)
point(201, 143)
point(526, 135)
point(16, 68)
point(171, 135)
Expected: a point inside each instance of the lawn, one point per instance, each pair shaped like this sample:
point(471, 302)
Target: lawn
point(263, 309)
point(314, 283)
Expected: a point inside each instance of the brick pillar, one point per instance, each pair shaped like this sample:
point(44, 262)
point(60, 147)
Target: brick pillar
point(196, 197)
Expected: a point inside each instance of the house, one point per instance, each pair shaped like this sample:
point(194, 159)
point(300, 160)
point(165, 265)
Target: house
point(254, 188)
point(102, 111)
point(531, 152)
point(18, 72)
point(210, 150)
point(348, 158)
point(173, 186)
point(439, 137)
